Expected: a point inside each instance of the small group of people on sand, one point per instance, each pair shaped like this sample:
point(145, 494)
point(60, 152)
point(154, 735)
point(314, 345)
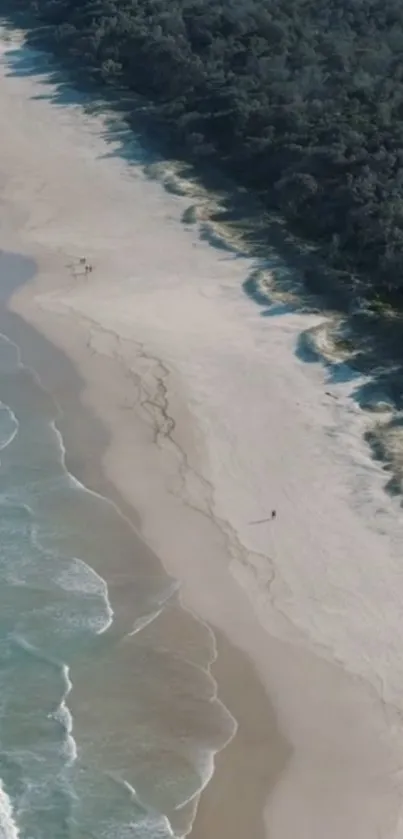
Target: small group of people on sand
point(87, 265)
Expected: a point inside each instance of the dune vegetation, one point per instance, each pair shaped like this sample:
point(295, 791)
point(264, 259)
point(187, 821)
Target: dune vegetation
point(301, 102)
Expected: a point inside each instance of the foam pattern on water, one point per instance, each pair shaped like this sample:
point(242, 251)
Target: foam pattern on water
point(8, 827)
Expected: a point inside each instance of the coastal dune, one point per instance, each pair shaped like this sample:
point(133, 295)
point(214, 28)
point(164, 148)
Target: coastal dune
point(214, 419)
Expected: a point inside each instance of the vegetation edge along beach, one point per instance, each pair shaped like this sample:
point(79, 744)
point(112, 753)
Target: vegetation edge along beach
point(300, 102)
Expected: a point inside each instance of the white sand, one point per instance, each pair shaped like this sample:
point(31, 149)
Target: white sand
point(320, 586)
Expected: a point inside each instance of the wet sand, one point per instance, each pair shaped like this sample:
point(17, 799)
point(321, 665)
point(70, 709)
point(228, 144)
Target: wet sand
point(293, 708)
point(247, 769)
point(196, 435)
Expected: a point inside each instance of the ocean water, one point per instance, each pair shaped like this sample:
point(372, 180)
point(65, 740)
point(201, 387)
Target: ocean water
point(109, 719)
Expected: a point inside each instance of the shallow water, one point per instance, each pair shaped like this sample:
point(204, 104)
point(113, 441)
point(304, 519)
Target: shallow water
point(109, 719)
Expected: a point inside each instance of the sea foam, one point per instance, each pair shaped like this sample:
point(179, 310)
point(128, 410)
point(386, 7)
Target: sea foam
point(8, 826)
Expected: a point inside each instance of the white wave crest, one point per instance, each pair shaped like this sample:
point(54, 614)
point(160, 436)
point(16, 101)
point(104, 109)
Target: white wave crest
point(8, 826)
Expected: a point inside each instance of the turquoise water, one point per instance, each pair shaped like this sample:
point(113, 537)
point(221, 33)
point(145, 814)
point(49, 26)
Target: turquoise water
point(108, 714)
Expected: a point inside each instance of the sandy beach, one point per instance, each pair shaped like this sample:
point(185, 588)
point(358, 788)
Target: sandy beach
point(196, 411)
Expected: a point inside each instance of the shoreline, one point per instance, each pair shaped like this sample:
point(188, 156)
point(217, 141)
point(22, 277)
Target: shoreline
point(249, 765)
point(171, 357)
point(315, 701)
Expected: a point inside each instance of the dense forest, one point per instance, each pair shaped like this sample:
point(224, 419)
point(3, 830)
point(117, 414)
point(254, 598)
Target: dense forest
point(300, 100)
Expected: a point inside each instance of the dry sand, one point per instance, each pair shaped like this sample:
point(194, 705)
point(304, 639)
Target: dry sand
point(213, 419)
